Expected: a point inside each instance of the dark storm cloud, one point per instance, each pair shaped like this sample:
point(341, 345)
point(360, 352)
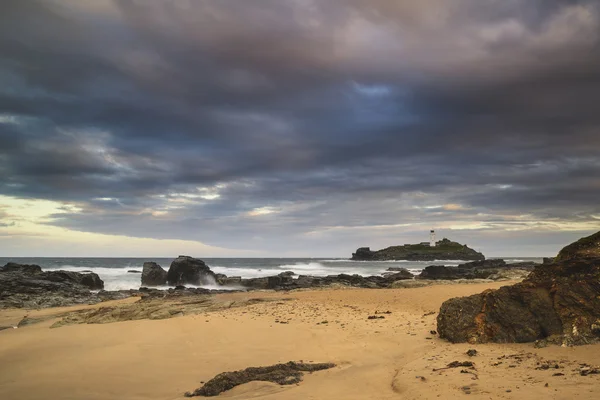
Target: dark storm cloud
point(264, 120)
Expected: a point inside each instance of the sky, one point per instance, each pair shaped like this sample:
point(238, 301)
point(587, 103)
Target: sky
point(287, 128)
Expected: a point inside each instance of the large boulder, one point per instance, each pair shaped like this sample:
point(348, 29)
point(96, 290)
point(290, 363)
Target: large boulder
point(153, 275)
point(560, 301)
point(585, 247)
point(188, 270)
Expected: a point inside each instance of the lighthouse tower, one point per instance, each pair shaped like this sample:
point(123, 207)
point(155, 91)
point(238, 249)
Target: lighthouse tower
point(432, 238)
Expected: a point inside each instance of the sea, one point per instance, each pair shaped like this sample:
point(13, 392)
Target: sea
point(114, 271)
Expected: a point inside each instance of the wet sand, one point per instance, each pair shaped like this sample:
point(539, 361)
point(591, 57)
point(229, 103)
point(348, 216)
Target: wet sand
point(389, 358)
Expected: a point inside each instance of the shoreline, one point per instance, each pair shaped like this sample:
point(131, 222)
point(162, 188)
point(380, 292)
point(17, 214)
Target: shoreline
point(376, 359)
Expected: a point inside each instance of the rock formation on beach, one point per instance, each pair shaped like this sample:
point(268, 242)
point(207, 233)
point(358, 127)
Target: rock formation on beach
point(558, 302)
point(444, 250)
point(283, 374)
point(585, 247)
point(485, 269)
point(153, 274)
point(188, 270)
point(29, 286)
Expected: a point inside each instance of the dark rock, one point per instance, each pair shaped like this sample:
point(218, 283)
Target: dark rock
point(255, 283)
point(471, 352)
point(483, 269)
point(28, 269)
point(28, 286)
point(134, 271)
point(440, 272)
point(282, 374)
point(557, 300)
point(364, 254)
point(285, 282)
point(400, 274)
point(279, 281)
point(189, 270)
point(395, 269)
point(493, 263)
point(89, 280)
point(583, 248)
point(287, 273)
point(92, 281)
point(153, 274)
point(547, 260)
point(444, 250)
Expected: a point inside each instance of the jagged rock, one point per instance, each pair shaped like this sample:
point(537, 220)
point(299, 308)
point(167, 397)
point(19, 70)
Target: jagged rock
point(561, 299)
point(153, 274)
point(287, 273)
point(282, 374)
point(279, 281)
point(444, 250)
point(547, 260)
point(485, 269)
point(30, 287)
point(29, 269)
point(92, 281)
point(189, 270)
point(440, 272)
point(585, 247)
point(134, 271)
point(89, 280)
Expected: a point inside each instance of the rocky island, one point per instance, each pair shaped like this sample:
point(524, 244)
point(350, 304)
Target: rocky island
point(443, 250)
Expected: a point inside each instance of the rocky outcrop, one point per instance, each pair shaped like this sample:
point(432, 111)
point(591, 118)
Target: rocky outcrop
point(583, 248)
point(26, 269)
point(282, 374)
point(444, 250)
point(28, 286)
point(153, 274)
point(285, 281)
point(188, 270)
point(558, 302)
point(484, 269)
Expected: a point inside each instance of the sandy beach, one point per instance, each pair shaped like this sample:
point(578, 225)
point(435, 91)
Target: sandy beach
point(386, 358)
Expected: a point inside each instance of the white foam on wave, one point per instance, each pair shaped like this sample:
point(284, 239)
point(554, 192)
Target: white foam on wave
point(244, 272)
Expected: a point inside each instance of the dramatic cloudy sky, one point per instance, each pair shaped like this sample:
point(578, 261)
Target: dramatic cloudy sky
point(297, 127)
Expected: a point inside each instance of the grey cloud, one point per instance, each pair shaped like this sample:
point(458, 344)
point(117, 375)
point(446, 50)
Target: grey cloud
point(340, 115)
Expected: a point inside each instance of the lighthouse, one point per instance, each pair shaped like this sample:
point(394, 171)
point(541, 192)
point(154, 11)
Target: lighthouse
point(432, 238)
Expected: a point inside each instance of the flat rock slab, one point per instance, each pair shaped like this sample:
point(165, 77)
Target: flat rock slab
point(282, 374)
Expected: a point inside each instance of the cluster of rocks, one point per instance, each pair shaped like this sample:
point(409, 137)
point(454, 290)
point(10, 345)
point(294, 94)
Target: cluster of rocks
point(494, 269)
point(288, 280)
point(559, 302)
point(29, 286)
point(184, 270)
